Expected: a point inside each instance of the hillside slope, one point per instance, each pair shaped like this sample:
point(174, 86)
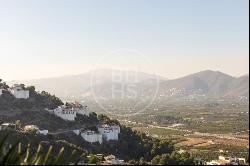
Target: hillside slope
point(239, 87)
point(211, 83)
point(131, 145)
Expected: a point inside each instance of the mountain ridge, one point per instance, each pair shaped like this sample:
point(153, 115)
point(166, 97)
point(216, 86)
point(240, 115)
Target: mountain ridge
point(207, 82)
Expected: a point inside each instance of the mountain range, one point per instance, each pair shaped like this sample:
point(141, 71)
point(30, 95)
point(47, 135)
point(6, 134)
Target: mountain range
point(101, 83)
point(209, 83)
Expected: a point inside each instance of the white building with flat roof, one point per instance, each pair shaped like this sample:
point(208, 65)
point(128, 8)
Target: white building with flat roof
point(109, 132)
point(65, 113)
point(83, 110)
point(79, 108)
point(69, 111)
point(115, 127)
point(19, 91)
point(91, 136)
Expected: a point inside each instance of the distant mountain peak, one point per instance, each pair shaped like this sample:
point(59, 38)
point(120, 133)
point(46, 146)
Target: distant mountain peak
point(212, 72)
point(208, 82)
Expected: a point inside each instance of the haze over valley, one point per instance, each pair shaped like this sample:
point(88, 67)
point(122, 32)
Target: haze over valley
point(128, 82)
point(204, 83)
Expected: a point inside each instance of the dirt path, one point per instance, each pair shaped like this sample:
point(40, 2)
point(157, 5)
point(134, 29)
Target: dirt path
point(168, 128)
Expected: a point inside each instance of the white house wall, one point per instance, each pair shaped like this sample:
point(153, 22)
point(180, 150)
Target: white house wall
point(71, 115)
point(20, 94)
point(92, 137)
point(109, 132)
point(83, 112)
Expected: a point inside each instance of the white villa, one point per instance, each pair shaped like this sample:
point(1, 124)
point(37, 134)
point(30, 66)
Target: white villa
point(109, 132)
point(65, 113)
point(19, 92)
point(69, 111)
point(80, 109)
point(91, 136)
point(106, 132)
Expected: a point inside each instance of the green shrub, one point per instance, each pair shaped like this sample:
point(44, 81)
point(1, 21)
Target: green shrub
point(16, 155)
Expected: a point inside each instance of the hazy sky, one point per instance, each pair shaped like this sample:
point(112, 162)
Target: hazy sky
point(45, 38)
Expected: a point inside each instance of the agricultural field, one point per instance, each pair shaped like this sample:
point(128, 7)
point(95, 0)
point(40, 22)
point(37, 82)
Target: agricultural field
point(201, 127)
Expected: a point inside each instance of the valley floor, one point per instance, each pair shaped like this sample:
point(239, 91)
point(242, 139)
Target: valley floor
point(203, 128)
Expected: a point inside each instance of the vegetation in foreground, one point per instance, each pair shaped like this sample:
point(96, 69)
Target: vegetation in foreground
point(16, 154)
point(134, 147)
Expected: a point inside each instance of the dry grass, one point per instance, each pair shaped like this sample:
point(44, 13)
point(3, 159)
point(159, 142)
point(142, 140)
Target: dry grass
point(196, 142)
point(206, 141)
point(234, 142)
